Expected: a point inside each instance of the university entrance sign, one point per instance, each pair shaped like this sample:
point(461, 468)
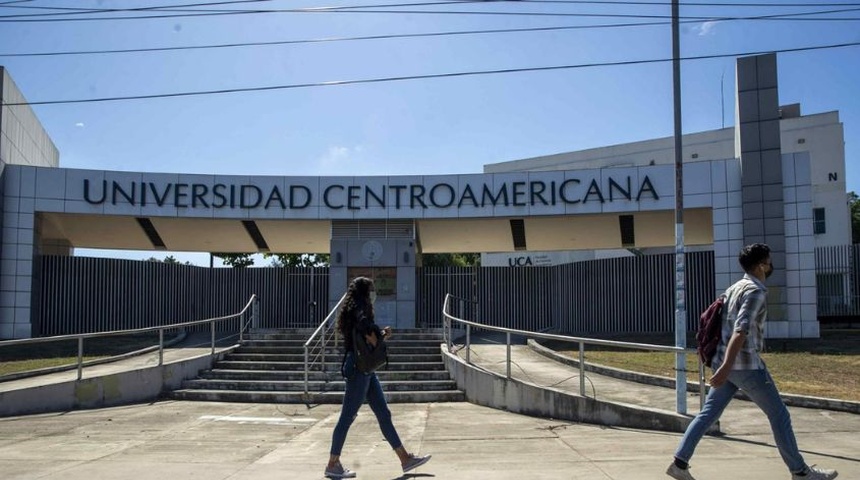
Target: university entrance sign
point(393, 194)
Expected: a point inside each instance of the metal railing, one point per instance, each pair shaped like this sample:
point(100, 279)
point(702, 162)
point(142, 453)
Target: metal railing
point(252, 320)
point(448, 319)
point(323, 331)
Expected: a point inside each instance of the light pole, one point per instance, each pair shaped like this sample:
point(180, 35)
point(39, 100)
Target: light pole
point(680, 284)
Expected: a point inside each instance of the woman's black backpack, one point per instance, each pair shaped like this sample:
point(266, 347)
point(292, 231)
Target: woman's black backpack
point(367, 357)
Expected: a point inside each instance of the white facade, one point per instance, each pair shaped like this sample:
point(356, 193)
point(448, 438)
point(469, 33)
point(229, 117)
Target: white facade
point(819, 135)
point(814, 204)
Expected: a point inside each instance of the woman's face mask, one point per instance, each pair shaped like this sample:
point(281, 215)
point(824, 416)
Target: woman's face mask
point(373, 296)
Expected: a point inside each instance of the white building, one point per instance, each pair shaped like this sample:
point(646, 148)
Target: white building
point(776, 177)
point(818, 135)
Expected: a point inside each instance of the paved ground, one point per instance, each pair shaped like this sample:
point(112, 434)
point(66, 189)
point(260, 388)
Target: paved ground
point(178, 440)
point(197, 440)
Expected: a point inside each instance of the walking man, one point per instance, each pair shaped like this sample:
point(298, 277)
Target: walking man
point(737, 365)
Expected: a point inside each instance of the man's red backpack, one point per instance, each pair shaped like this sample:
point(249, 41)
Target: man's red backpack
point(710, 330)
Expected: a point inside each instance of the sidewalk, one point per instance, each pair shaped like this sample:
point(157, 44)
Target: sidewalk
point(229, 441)
point(221, 441)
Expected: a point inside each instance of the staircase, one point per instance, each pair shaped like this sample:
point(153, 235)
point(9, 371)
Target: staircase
point(269, 368)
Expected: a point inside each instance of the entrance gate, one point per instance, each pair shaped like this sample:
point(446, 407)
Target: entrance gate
point(620, 295)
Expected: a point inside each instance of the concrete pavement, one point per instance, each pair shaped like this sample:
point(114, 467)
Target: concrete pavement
point(215, 441)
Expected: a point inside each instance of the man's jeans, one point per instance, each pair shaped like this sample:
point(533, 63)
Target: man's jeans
point(358, 387)
point(759, 386)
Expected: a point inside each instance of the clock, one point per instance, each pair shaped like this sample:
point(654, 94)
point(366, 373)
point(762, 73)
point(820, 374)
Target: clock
point(371, 250)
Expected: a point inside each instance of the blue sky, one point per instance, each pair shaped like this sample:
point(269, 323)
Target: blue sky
point(435, 126)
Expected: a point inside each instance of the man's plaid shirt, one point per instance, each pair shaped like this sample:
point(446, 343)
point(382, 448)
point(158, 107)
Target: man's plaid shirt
point(747, 311)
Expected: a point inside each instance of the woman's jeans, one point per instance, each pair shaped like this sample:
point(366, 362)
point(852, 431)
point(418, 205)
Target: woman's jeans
point(361, 386)
point(759, 386)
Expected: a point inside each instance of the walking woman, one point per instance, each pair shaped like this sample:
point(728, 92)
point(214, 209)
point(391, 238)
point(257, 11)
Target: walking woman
point(357, 313)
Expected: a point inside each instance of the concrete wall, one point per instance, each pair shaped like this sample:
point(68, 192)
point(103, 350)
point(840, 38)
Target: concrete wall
point(398, 310)
point(144, 384)
point(822, 138)
point(492, 390)
point(23, 139)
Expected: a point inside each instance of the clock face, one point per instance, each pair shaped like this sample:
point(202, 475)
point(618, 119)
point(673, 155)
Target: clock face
point(371, 250)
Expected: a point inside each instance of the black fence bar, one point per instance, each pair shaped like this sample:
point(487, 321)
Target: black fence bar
point(617, 295)
point(837, 271)
point(85, 295)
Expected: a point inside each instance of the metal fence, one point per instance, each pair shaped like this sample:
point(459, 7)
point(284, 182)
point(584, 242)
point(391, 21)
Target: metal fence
point(619, 295)
point(85, 295)
point(837, 278)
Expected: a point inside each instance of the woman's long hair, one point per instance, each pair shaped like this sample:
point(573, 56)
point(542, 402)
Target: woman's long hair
point(357, 301)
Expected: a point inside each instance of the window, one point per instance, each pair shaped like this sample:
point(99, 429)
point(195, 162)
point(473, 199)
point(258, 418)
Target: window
point(818, 226)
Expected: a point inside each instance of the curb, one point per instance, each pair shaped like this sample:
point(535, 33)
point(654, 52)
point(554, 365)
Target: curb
point(788, 398)
point(65, 368)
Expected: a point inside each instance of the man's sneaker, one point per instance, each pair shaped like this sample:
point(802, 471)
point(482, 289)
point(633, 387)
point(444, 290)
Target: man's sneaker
point(679, 473)
point(337, 471)
point(815, 473)
point(415, 462)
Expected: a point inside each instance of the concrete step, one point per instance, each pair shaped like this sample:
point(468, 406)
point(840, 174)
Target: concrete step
point(303, 337)
point(329, 365)
point(331, 350)
point(269, 367)
point(330, 375)
point(274, 357)
point(331, 343)
point(312, 398)
point(314, 386)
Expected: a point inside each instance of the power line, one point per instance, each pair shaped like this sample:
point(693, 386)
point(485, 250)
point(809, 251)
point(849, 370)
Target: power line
point(205, 12)
point(339, 39)
point(108, 10)
point(426, 77)
point(365, 37)
point(186, 8)
point(62, 10)
point(358, 9)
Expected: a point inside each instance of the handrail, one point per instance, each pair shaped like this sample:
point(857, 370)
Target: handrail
point(80, 337)
point(582, 341)
point(322, 328)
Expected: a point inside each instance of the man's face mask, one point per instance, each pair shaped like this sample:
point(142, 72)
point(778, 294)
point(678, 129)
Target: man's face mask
point(373, 296)
point(768, 270)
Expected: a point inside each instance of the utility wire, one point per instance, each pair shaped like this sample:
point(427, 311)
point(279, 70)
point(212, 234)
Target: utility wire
point(342, 39)
point(424, 77)
point(62, 10)
point(366, 37)
point(337, 39)
point(567, 2)
point(357, 9)
point(186, 8)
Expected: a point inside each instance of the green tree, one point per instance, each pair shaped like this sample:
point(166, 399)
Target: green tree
point(854, 206)
point(235, 260)
point(298, 259)
point(168, 259)
point(451, 259)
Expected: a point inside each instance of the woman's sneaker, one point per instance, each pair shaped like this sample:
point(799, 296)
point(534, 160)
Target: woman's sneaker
point(337, 471)
point(815, 473)
point(415, 462)
point(679, 473)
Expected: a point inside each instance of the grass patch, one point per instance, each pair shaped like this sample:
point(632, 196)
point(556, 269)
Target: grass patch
point(22, 358)
point(824, 367)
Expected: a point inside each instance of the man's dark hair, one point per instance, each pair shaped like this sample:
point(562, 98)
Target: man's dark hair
point(752, 255)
